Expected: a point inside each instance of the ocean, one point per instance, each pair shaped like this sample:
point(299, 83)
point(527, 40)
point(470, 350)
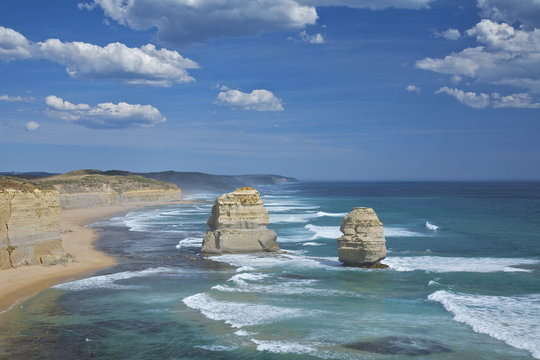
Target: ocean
point(463, 282)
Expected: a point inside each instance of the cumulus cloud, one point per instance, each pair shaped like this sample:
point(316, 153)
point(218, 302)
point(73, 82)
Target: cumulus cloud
point(8, 98)
point(104, 115)
point(449, 34)
point(413, 88)
point(31, 126)
point(311, 39)
point(495, 100)
point(259, 100)
point(469, 98)
point(505, 56)
point(146, 65)
point(13, 45)
point(371, 4)
point(194, 21)
point(527, 12)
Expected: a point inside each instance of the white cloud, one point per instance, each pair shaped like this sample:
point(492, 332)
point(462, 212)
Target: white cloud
point(104, 115)
point(472, 99)
point(522, 100)
point(311, 39)
point(371, 4)
point(450, 34)
point(495, 100)
point(13, 45)
point(525, 11)
point(413, 88)
point(259, 100)
point(8, 98)
point(146, 65)
point(189, 21)
point(31, 126)
point(505, 56)
point(194, 21)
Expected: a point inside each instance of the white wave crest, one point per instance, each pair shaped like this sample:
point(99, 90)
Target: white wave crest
point(322, 213)
point(217, 347)
point(240, 279)
point(291, 218)
point(431, 226)
point(391, 231)
point(457, 264)
point(109, 281)
point(190, 242)
point(311, 243)
point(239, 314)
point(512, 319)
point(285, 347)
point(327, 232)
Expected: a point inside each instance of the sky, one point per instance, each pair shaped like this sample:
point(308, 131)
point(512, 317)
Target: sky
point(314, 89)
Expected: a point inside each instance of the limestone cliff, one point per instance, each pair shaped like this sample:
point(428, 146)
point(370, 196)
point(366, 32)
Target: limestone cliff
point(90, 188)
point(238, 225)
point(363, 243)
point(29, 224)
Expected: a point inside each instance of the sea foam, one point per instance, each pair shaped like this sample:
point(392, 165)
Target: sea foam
point(512, 319)
point(457, 264)
point(431, 226)
point(239, 314)
point(327, 232)
point(109, 281)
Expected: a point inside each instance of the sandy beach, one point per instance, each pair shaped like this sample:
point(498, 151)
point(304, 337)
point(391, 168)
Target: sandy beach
point(24, 282)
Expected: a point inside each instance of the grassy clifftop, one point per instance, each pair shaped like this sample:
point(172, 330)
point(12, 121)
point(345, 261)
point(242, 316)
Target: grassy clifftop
point(8, 182)
point(96, 180)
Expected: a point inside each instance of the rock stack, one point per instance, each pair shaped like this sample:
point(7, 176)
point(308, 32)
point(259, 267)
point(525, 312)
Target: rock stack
point(363, 243)
point(238, 225)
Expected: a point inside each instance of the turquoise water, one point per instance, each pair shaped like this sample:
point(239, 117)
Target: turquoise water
point(463, 283)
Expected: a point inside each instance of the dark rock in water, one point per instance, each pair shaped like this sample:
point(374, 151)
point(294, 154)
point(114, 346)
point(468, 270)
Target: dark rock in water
point(394, 345)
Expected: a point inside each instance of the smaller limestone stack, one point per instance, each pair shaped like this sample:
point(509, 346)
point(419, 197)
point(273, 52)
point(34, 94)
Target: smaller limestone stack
point(363, 243)
point(238, 225)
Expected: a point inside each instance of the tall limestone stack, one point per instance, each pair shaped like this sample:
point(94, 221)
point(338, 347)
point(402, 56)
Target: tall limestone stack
point(363, 243)
point(29, 225)
point(238, 225)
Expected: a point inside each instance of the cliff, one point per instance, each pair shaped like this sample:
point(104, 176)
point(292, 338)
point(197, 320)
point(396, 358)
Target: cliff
point(189, 182)
point(363, 243)
point(29, 224)
point(90, 188)
point(238, 225)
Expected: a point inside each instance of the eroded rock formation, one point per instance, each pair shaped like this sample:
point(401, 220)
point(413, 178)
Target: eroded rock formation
point(363, 243)
point(29, 227)
point(238, 225)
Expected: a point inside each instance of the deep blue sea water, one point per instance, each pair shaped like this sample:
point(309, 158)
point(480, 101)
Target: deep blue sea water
point(463, 282)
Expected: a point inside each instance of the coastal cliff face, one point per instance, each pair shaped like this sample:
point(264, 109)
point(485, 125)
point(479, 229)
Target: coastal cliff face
point(29, 226)
point(107, 197)
point(363, 243)
point(91, 188)
point(238, 225)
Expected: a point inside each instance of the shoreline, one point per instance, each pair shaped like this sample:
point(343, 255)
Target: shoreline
point(24, 282)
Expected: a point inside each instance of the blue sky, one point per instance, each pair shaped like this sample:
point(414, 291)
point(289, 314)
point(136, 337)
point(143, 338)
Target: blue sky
point(316, 89)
